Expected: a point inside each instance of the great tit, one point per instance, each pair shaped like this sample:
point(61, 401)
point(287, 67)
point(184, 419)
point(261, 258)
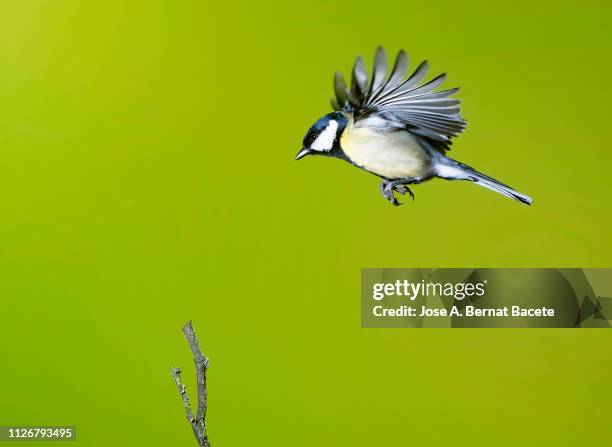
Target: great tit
point(396, 128)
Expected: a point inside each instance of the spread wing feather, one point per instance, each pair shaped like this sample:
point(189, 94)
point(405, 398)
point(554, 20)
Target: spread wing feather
point(403, 101)
point(397, 74)
point(340, 89)
point(379, 71)
point(359, 82)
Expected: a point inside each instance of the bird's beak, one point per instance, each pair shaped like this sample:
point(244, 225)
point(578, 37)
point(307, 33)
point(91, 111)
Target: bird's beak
point(302, 153)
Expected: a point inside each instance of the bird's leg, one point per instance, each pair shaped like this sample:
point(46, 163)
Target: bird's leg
point(388, 187)
point(387, 193)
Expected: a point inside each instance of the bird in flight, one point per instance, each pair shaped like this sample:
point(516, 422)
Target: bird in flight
point(397, 128)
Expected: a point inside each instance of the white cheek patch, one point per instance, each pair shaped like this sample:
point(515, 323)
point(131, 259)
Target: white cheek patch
point(325, 140)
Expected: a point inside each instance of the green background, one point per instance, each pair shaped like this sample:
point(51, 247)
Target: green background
point(147, 177)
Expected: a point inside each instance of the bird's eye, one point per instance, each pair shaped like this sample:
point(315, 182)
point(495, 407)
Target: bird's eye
point(313, 137)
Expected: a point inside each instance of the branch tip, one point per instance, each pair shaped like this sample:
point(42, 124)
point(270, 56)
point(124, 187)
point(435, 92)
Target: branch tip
point(198, 423)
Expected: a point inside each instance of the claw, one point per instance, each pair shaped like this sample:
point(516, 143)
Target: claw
point(411, 193)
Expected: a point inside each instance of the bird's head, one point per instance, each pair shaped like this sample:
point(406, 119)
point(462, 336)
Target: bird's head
point(323, 138)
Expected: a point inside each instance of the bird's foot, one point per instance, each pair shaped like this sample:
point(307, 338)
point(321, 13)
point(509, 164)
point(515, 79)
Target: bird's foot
point(388, 188)
point(403, 189)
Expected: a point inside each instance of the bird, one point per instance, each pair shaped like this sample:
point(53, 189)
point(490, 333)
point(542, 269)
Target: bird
point(396, 127)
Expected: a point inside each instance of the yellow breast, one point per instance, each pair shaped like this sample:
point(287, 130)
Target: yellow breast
point(391, 155)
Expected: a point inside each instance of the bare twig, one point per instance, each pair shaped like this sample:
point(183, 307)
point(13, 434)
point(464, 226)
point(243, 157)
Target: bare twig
point(198, 423)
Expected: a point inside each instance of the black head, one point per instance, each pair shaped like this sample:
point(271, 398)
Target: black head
point(323, 137)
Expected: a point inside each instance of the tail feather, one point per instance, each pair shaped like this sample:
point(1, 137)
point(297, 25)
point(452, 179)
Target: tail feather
point(454, 170)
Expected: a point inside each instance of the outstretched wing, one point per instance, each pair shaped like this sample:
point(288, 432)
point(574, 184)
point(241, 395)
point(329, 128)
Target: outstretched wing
point(403, 101)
